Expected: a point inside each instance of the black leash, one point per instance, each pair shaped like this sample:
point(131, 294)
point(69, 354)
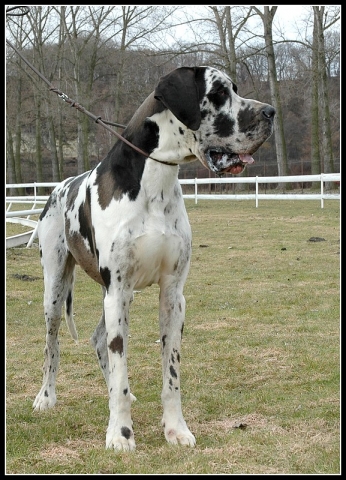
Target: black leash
point(72, 102)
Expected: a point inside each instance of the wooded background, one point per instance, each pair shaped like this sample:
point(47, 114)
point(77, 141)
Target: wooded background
point(109, 59)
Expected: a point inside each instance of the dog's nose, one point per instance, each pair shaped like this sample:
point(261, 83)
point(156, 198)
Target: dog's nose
point(268, 112)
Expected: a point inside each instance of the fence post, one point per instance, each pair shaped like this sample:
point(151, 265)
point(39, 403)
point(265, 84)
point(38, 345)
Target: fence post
point(195, 191)
point(322, 203)
point(256, 195)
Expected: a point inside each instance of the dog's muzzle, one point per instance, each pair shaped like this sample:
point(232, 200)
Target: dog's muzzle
point(221, 162)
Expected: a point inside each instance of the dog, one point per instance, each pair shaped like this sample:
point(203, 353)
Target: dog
point(125, 224)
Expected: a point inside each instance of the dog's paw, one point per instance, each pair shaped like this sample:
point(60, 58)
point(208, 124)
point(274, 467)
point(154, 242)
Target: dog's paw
point(121, 444)
point(44, 400)
point(179, 434)
point(123, 441)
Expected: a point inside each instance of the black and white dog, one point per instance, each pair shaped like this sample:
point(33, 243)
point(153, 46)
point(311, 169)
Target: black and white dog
point(126, 225)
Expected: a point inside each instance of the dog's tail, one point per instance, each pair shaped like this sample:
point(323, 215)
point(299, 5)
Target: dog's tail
point(69, 316)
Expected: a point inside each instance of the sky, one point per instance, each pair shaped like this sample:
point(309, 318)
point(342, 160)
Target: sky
point(287, 17)
point(290, 19)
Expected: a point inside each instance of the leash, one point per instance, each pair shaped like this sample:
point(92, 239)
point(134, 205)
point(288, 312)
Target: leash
point(72, 102)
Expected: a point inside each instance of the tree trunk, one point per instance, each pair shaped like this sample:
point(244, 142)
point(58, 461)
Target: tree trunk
point(18, 137)
point(38, 140)
point(327, 150)
point(275, 92)
point(280, 143)
point(315, 118)
point(10, 163)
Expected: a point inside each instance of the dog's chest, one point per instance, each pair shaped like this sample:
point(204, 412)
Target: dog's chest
point(150, 238)
point(162, 248)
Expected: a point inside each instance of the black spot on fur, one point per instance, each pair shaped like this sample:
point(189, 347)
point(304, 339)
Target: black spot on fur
point(117, 345)
point(74, 189)
point(125, 391)
point(84, 217)
point(106, 276)
point(119, 174)
point(69, 303)
point(245, 119)
point(51, 200)
point(126, 432)
point(173, 372)
point(223, 125)
point(219, 94)
point(163, 340)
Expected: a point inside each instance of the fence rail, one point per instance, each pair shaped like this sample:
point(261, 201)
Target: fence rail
point(322, 179)
point(23, 216)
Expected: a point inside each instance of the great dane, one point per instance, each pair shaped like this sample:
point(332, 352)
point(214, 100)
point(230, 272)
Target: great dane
point(125, 224)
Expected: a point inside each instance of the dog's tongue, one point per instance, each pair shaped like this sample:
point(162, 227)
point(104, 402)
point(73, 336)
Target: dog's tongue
point(246, 158)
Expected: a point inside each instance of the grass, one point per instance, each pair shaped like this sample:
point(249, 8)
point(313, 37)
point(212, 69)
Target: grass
point(260, 356)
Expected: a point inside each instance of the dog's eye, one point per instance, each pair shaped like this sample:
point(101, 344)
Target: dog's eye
point(223, 91)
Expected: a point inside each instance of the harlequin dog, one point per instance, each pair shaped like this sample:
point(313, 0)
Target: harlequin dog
point(126, 225)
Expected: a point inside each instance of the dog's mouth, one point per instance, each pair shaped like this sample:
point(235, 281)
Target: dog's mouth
point(221, 162)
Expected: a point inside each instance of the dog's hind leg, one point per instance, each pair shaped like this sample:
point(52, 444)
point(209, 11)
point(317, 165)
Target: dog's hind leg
point(99, 342)
point(58, 281)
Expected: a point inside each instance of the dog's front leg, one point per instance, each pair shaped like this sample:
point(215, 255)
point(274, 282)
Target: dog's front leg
point(119, 432)
point(172, 315)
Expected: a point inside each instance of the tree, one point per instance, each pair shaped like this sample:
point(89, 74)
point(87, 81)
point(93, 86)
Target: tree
point(322, 155)
point(14, 107)
point(267, 18)
point(228, 31)
point(38, 19)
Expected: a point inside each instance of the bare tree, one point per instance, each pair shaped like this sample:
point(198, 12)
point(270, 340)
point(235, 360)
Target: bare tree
point(322, 151)
point(41, 32)
point(83, 30)
point(14, 104)
point(229, 25)
point(267, 18)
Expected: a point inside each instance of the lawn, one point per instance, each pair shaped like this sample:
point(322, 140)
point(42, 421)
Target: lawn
point(260, 356)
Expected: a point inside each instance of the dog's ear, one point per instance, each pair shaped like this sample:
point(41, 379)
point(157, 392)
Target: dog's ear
point(179, 93)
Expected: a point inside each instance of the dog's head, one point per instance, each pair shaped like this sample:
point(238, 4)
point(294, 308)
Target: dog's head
point(227, 128)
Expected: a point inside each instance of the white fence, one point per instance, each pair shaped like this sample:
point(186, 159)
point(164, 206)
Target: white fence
point(23, 216)
point(321, 196)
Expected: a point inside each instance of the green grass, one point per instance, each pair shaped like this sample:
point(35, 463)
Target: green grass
point(261, 350)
